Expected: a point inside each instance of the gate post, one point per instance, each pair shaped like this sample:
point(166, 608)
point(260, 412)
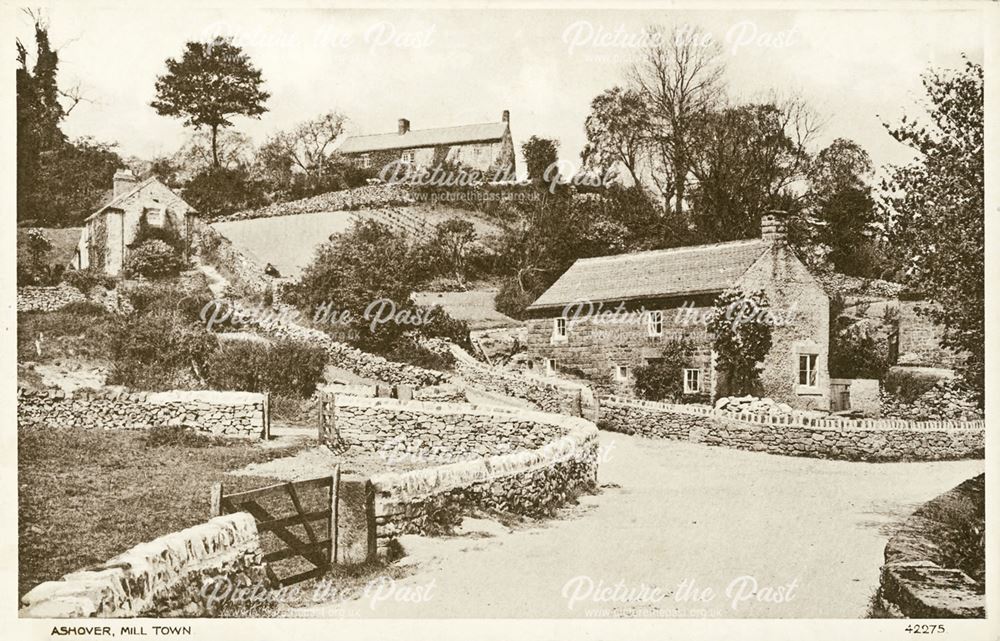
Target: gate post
point(215, 502)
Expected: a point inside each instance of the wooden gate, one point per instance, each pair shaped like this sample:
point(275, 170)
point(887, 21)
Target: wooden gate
point(297, 523)
point(840, 395)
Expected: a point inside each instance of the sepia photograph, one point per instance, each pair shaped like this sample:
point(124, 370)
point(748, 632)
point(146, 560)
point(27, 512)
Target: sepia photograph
point(597, 314)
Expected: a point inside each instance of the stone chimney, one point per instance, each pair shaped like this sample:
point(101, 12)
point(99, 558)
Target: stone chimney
point(772, 227)
point(123, 182)
point(404, 126)
point(505, 117)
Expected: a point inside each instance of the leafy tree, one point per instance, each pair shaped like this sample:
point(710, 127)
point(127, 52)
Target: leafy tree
point(58, 182)
point(745, 158)
point(739, 346)
point(452, 243)
point(616, 131)
point(932, 208)
point(539, 155)
point(209, 84)
point(219, 192)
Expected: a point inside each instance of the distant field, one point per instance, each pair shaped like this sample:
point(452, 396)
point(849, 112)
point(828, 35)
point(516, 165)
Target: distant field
point(289, 242)
point(476, 307)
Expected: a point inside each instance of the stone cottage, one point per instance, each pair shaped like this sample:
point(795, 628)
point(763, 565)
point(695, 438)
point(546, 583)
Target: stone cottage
point(109, 231)
point(606, 316)
point(486, 147)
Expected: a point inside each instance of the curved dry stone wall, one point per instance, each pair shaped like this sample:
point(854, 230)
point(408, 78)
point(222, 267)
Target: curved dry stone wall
point(242, 414)
point(161, 578)
point(47, 299)
point(920, 578)
point(510, 460)
point(835, 438)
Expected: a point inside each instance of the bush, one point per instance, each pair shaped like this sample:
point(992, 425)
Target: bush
point(159, 350)
point(84, 308)
point(163, 297)
point(440, 325)
point(87, 279)
point(510, 300)
point(662, 379)
point(856, 354)
point(908, 386)
point(154, 259)
point(286, 368)
point(220, 191)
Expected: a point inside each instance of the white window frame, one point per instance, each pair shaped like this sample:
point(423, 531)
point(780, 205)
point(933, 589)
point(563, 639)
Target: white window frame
point(366, 161)
point(621, 373)
point(407, 157)
point(653, 319)
point(560, 329)
point(811, 358)
point(689, 389)
point(551, 367)
point(160, 214)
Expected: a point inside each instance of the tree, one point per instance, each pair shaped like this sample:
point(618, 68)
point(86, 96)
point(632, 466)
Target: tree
point(58, 182)
point(739, 346)
point(745, 158)
point(209, 84)
point(616, 131)
point(680, 80)
point(220, 191)
point(452, 242)
point(233, 150)
point(539, 155)
point(932, 209)
point(308, 146)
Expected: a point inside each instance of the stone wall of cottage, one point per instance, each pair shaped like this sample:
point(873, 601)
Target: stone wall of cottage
point(796, 435)
point(160, 578)
point(918, 579)
point(598, 341)
point(791, 289)
point(238, 414)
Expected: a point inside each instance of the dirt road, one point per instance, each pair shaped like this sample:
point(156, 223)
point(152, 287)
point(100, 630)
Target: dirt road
point(679, 530)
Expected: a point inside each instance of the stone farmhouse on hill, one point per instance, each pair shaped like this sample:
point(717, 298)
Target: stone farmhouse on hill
point(486, 147)
point(109, 231)
point(665, 294)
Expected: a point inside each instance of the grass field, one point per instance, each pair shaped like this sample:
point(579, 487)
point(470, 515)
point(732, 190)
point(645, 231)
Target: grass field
point(86, 495)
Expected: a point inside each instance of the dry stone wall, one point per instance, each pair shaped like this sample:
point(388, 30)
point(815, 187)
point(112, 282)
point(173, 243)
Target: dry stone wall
point(47, 299)
point(531, 482)
point(160, 578)
point(795, 435)
point(240, 414)
point(369, 196)
point(919, 578)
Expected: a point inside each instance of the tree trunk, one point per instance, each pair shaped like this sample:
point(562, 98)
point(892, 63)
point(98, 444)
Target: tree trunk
point(215, 146)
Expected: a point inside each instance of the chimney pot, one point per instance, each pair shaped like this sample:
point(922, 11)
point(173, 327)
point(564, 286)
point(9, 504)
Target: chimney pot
point(404, 126)
point(505, 116)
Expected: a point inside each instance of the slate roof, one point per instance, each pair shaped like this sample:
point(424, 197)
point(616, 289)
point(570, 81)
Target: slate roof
point(698, 269)
point(487, 132)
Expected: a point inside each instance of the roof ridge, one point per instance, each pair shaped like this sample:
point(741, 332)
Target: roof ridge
point(139, 185)
point(396, 133)
point(682, 248)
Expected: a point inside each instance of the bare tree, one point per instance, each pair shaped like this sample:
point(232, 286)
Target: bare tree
point(680, 79)
point(309, 145)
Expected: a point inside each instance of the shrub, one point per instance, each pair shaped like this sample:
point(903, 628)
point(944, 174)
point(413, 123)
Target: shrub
point(856, 354)
point(84, 308)
point(158, 350)
point(510, 300)
point(662, 379)
point(286, 368)
point(440, 325)
point(87, 279)
point(908, 386)
point(220, 191)
point(407, 351)
point(154, 259)
point(163, 297)
point(740, 345)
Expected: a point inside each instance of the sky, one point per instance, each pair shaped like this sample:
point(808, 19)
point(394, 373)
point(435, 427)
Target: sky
point(437, 68)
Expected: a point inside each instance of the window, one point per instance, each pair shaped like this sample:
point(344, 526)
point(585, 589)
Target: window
point(807, 369)
point(692, 381)
point(621, 373)
point(654, 323)
point(559, 328)
point(366, 161)
point(550, 366)
point(406, 156)
point(155, 217)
